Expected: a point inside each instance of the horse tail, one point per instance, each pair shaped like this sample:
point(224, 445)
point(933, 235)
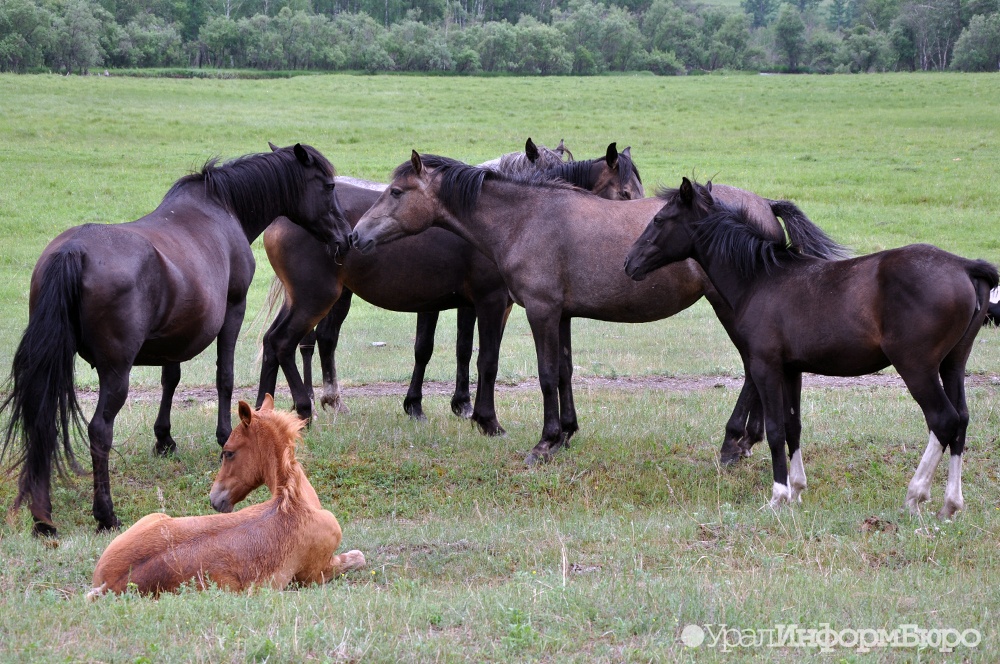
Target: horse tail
point(41, 398)
point(985, 278)
point(275, 294)
point(806, 237)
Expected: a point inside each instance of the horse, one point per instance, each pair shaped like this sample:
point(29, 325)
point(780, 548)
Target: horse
point(289, 538)
point(155, 291)
point(553, 246)
point(427, 274)
point(327, 332)
point(917, 308)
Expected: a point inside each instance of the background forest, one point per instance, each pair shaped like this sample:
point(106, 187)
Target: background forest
point(522, 37)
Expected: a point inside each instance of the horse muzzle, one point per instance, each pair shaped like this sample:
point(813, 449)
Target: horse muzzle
point(364, 245)
point(219, 499)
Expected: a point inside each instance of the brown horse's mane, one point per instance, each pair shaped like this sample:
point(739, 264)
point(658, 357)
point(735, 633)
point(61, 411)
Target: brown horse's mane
point(734, 235)
point(461, 183)
point(250, 185)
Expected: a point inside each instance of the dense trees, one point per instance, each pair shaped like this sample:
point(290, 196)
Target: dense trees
point(517, 36)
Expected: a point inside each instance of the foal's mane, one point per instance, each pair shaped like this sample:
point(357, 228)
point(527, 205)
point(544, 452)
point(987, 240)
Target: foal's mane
point(461, 184)
point(285, 428)
point(252, 185)
point(734, 235)
point(583, 174)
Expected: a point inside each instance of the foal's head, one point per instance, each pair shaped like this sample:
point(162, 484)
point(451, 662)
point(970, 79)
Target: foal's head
point(260, 450)
point(669, 236)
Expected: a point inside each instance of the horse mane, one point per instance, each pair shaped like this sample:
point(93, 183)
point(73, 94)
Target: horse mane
point(254, 184)
point(286, 430)
point(581, 173)
point(734, 235)
point(514, 163)
point(461, 184)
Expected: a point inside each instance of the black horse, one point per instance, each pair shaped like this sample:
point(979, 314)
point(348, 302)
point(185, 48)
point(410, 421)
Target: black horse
point(155, 291)
point(917, 308)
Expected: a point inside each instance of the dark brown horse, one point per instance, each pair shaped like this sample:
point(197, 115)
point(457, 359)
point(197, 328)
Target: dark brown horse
point(917, 308)
point(436, 271)
point(155, 291)
point(554, 247)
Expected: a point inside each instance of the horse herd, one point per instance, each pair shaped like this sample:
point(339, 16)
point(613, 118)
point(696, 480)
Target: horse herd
point(531, 229)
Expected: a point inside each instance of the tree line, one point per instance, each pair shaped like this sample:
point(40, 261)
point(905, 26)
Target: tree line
point(535, 37)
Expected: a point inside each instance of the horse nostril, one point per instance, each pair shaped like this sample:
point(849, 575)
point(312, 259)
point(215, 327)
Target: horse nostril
point(353, 238)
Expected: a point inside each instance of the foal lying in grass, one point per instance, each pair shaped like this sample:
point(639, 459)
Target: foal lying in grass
point(287, 538)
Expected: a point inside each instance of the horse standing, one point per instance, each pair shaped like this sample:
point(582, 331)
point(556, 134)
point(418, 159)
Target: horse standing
point(155, 291)
point(435, 271)
point(554, 247)
point(917, 308)
point(289, 538)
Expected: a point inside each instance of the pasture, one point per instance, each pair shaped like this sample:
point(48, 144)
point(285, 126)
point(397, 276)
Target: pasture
point(635, 532)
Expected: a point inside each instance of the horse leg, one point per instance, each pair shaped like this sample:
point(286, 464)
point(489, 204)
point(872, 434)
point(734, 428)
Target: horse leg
point(307, 348)
point(491, 314)
point(461, 404)
point(170, 376)
point(943, 423)
point(745, 427)
point(226, 348)
point(567, 409)
point(328, 337)
point(282, 340)
point(792, 400)
point(268, 382)
point(545, 330)
point(770, 386)
point(423, 348)
point(113, 392)
point(953, 378)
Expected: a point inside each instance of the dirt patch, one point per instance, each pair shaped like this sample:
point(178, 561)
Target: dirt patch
point(201, 394)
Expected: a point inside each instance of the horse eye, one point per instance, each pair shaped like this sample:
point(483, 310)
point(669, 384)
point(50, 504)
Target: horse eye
point(330, 186)
point(227, 455)
point(396, 192)
point(625, 196)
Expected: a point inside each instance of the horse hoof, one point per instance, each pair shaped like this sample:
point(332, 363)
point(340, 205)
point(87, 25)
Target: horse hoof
point(165, 450)
point(335, 404)
point(535, 458)
point(41, 529)
point(107, 528)
point(463, 409)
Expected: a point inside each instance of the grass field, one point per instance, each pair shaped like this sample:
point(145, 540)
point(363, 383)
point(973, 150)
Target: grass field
point(635, 532)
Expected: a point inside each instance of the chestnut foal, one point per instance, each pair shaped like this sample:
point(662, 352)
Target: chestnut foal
point(287, 538)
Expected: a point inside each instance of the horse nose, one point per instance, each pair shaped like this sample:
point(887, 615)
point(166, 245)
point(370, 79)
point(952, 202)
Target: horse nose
point(353, 237)
point(219, 499)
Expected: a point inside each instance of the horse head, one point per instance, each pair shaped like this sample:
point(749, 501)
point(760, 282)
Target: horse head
point(407, 206)
point(668, 237)
point(257, 452)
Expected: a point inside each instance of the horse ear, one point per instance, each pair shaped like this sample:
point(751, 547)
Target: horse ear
point(687, 192)
point(612, 156)
point(302, 155)
point(274, 148)
point(706, 193)
point(415, 161)
point(246, 412)
point(268, 403)
point(561, 148)
point(627, 152)
point(531, 150)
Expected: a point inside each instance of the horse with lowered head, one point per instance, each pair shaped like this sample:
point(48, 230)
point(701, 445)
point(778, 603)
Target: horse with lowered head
point(156, 291)
point(289, 538)
point(917, 308)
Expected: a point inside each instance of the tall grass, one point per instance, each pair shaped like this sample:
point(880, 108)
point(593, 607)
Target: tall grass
point(635, 532)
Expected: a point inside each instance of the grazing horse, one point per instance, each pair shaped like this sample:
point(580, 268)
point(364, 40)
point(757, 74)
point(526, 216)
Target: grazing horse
point(917, 308)
point(554, 246)
point(155, 291)
point(426, 274)
point(289, 538)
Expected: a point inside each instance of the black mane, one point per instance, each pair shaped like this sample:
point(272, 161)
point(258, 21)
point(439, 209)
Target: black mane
point(253, 185)
point(461, 184)
point(584, 175)
point(734, 235)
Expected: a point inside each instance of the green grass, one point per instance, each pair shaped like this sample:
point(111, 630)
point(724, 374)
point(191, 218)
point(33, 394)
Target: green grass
point(608, 552)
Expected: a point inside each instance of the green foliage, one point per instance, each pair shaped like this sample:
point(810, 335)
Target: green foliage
point(789, 35)
point(978, 48)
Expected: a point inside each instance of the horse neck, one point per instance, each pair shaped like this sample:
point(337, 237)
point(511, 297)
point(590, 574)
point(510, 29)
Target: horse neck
point(289, 485)
point(720, 271)
point(494, 221)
